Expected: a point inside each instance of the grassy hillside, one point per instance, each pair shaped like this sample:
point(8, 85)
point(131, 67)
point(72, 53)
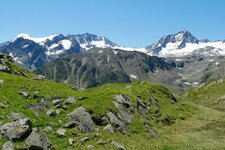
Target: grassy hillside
point(170, 123)
point(211, 95)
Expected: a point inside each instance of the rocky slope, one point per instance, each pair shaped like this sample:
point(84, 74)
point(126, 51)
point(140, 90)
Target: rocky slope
point(101, 66)
point(40, 114)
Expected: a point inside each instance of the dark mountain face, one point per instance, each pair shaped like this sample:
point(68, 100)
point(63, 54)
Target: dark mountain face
point(27, 53)
point(182, 37)
point(101, 66)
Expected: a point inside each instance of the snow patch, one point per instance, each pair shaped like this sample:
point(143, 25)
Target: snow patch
point(133, 76)
point(25, 46)
point(66, 44)
point(115, 52)
point(36, 40)
point(29, 54)
point(131, 49)
point(172, 49)
point(53, 46)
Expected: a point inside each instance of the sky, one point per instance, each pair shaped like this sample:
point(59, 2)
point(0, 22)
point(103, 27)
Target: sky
point(134, 23)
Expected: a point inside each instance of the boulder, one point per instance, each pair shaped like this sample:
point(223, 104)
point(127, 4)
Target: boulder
point(125, 109)
point(6, 69)
point(83, 119)
point(4, 106)
point(142, 108)
point(118, 146)
point(61, 132)
point(102, 142)
point(56, 102)
point(69, 100)
point(8, 146)
point(1, 81)
point(48, 129)
point(109, 128)
point(51, 113)
point(81, 97)
point(37, 140)
point(151, 132)
point(57, 111)
point(16, 130)
point(84, 139)
point(90, 147)
point(153, 101)
point(116, 122)
point(70, 124)
point(71, 141)
point(123, 99)
point(15, 116)
point(39, 77)
point(24, 94)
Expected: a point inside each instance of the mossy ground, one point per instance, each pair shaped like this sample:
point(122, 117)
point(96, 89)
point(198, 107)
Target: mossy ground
point(195, 127)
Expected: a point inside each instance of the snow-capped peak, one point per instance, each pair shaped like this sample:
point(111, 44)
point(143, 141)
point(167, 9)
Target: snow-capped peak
point(88, 41)
point(178, 40)
point(36, 40)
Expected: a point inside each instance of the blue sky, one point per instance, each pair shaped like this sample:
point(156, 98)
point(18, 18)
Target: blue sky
point(136, 23)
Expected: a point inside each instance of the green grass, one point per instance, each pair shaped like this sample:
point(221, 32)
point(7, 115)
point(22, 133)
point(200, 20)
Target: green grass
point(195, 127)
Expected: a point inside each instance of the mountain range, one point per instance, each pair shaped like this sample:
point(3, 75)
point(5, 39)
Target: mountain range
point(33, 53)
point(87, 60)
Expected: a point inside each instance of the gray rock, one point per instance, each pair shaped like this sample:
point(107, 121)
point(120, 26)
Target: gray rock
point(71, 141)
point(102, 142)
point(16, 130)
point(81, 97)
point(142, 108)
point(1, 81)
point(48, 129)
point(123, 99)
point(116, 122)
point(15, 116)
point(125, 109)
point(84, 139)
point(8, 146)
point(4, 106)
point(56, 102)
point(128, 87)
point(51, 113)
point(70, 100)
point(70, 124)
point(57, 111)
point(6, 69)
point(151, 132)
point(104, 120)
point(118, 146)
point(90, 147)
point(61, 132)
point(109, 128)
point(83, 119)
point(39, 77)
point(153, 101)
point(37, 140)
point(73, 133)
point(59, 106)
point(24, 94)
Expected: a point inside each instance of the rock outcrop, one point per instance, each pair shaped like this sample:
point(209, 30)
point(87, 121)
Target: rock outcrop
point(83, 119)
point(16, 130)
point(37, 140)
